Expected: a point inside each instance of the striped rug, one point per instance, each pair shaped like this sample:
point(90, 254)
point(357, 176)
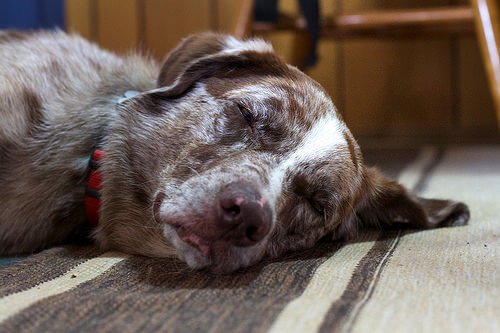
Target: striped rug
point(443, 280)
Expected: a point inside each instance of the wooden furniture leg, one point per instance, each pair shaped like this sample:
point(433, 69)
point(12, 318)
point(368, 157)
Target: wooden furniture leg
point(488, 31)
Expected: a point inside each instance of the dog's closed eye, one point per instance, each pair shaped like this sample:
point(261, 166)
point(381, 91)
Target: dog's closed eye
point(247, 114)
point(303, 189)
point(317, 207)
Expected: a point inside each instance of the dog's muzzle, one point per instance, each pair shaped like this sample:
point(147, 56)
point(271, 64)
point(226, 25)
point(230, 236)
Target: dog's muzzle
point(238, 216)
point(243, 216)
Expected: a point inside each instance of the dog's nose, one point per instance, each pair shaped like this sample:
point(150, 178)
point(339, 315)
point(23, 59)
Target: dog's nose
point(244, 215)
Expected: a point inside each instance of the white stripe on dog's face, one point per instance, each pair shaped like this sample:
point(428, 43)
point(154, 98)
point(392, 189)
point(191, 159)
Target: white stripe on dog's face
point(321, 140)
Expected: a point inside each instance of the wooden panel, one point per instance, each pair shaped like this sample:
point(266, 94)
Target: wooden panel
point(400, 86)
point(330, 67)
point(118, 24)
point(328, 71)
point(288, 6)
point(79, 17)
point(227, 14)
point(476, 105)
point(168, 21)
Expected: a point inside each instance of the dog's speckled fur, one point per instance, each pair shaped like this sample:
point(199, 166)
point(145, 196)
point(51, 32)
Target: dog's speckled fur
point(172, 149)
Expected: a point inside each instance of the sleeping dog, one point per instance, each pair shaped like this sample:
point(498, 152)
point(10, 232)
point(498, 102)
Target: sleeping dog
point(223, 154)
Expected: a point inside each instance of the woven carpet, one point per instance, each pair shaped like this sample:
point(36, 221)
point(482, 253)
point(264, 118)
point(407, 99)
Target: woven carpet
point(442, 280)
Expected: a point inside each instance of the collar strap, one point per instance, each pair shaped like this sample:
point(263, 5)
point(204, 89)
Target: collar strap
point(94, 184)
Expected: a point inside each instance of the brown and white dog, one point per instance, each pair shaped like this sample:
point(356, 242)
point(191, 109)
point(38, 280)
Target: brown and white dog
point(225, 156)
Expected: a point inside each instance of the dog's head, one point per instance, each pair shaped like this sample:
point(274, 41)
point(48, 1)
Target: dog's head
point(237, 156)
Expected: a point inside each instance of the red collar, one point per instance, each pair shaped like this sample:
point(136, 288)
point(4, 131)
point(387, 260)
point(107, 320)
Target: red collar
point(94, 183)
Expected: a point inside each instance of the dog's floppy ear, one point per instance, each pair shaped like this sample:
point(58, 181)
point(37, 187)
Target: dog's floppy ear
point(186, 53)
point(209, 54)
point(387, 202)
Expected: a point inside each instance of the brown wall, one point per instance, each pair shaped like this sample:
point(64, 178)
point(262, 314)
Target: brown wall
point(427, 87)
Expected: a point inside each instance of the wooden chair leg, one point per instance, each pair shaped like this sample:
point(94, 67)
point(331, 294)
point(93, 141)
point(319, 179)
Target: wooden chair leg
point(244, 24)
point(488, 31)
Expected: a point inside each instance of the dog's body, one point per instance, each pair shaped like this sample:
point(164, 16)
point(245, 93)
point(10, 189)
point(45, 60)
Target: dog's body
point(226, 155)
